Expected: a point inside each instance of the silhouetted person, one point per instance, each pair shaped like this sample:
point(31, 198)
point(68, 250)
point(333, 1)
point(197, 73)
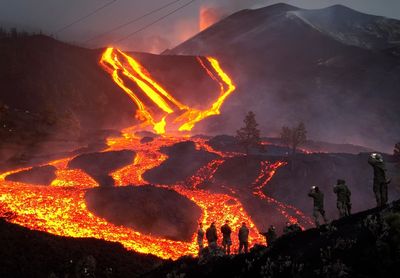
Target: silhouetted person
point(343, 202)
point(211, 235)
point(200, 237)
point(226, 237)
point(86, 267)
point(318, 209)
point(291, 228)
point(287, 229)
point(243, 238)
point(270, 235)
point(380, 181)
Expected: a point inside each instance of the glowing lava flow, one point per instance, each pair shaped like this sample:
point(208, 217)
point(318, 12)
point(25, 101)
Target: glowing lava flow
point(216, 207)
point(267, 171)
point(120, 65)
point(61, 209)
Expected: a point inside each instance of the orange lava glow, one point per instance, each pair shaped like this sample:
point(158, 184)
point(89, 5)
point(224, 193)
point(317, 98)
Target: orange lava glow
point(208, 16)
point(122, 66)
point(60, 208)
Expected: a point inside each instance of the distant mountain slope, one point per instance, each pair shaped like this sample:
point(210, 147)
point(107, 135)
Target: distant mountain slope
point(54, 91)
point(336, 69)
point(353, 28)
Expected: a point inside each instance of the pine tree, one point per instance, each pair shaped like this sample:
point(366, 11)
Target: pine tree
point(249, 135)
point(294, 137)
point(396, 153)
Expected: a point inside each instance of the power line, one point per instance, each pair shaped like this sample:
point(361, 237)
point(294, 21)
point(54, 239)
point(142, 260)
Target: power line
point(85, 16)
point(156, 21)
point(132, 21)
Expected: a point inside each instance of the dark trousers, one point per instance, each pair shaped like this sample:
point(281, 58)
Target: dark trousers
point(381, 193)
point(245, 245)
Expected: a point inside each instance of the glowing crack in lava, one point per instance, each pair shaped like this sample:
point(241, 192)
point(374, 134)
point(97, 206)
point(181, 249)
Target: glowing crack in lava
point(120, 65)
point(60, 208)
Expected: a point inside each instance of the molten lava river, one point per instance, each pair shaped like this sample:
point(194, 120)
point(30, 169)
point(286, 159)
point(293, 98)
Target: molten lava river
point(60, 208)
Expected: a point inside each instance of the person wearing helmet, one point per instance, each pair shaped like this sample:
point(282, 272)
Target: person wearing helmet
point(318, 209)
point(380, 185)
point(212, 237)
point(226, 237)
point(243, 238)
point(343, 198)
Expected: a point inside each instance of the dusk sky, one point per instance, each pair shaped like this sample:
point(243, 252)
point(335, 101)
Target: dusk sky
point(52, 15)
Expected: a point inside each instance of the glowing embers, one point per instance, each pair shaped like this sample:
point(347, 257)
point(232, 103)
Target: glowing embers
point(166, 111)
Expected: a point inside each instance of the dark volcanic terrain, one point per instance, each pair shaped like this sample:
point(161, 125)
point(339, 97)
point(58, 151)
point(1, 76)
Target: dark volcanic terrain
point(336, 69)
point(147, 209)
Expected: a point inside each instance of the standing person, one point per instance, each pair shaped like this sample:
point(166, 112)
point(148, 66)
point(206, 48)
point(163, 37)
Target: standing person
point(318, 209)
point(200, 237)
point(288, 228)
point(243, 238)
point(211, 235)
point(270, 236)
point(226, 237)
point(343, 198)
point(380, 181)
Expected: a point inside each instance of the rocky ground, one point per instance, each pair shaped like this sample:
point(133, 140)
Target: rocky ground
point(27, 253)
point(366, 244)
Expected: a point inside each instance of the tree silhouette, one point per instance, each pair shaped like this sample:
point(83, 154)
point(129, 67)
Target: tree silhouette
point(294, 137)
point(396, 153)
point(249, 135)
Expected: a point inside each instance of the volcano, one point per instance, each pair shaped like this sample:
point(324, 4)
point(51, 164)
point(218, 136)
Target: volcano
point(336, 69)
point(149, 191)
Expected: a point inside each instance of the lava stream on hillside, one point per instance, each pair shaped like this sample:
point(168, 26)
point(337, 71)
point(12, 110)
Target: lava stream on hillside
point(60, 208)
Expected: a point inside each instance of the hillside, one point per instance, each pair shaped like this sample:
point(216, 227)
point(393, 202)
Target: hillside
point(335, 69)
point(56, 98)
point(362, 245)
point(27, 253)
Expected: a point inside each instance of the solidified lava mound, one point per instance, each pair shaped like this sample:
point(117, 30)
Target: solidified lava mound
point(183, 161)
point(147, 209)
point(239, 171)
point(100, 165)
point(42, 175)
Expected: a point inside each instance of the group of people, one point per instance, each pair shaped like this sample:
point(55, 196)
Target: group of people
point(226, 231)
point(343, 203)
